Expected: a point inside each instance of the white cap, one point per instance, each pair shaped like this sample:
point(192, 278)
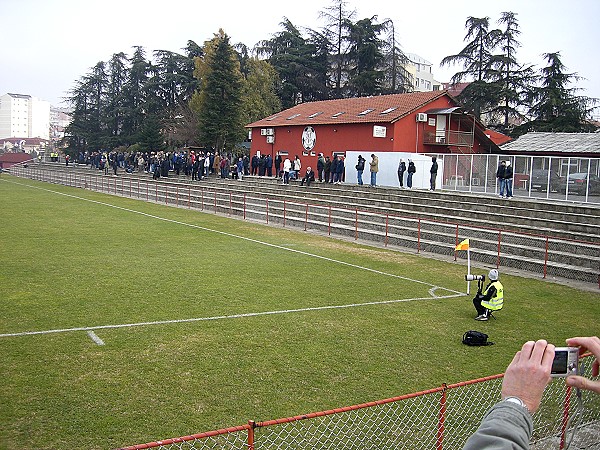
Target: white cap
point(493, 275)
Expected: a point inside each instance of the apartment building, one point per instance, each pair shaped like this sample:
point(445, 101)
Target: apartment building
point(24, 116)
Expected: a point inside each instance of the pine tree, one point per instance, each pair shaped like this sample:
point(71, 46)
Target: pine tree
point(219, 101)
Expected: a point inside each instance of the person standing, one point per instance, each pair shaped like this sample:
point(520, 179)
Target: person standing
point(433, 171)
point(500, 176)
point(320, 167)
point(339, 170)
point(216, 163)
point(374, 168)
point(254, 164)
point(297, 166)
point(401, 170)
point(269, 165)
point(277, 164)
point(411, 171)
point(240, 169)
point(508, 180)
point(333, 170)
point(360, 167)
point(327, 169)
point(287, 166)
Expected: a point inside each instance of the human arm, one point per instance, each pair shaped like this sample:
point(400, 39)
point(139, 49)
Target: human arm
point(593, 345)
point(508, 425)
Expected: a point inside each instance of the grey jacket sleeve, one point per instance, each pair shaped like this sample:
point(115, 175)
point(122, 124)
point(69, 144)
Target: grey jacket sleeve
point(506, 426)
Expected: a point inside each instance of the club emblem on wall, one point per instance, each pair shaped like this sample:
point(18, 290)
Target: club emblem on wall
point(309, 138)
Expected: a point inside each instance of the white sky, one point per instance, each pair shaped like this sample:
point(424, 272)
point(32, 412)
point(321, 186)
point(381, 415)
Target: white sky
point(46, 45)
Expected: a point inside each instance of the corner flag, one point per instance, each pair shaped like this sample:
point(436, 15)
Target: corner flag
point(464, 245)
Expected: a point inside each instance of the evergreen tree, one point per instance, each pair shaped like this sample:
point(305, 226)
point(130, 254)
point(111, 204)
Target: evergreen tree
point(259, 96)
point(337, 17)
point(365, 58)
point(151, 138)
point(397, 80)
point(219, 101)
point(118, 73)
point(555, 105)
point(476, 59)
point(512, 80)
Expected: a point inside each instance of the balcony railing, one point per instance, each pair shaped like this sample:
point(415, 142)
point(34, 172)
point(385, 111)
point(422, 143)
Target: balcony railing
point(458, 138)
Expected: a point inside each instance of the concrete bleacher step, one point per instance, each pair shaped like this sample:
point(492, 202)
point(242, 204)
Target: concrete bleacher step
point(524, 224)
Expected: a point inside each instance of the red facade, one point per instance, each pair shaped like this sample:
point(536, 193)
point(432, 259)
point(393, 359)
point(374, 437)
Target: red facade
point(424, 122)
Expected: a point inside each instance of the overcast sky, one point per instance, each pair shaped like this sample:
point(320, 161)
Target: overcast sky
point(46, 45)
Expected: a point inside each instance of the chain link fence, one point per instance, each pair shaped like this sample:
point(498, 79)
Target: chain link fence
point(440, 419)
point(542, 254)
point(544, 177)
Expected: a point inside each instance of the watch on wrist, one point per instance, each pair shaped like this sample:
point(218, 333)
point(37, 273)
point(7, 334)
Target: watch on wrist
point(517, 401)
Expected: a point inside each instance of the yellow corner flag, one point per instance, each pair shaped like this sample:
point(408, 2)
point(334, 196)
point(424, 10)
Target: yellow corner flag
point(464, 245)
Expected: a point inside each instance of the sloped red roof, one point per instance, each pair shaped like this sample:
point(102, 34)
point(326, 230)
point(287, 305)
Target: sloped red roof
point(381, 108)
point(497, 138)
point(14, 157)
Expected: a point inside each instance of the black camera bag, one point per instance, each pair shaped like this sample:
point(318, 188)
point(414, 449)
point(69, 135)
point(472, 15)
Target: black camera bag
point(476, 338)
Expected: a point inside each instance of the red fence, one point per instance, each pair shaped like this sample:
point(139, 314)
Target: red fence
point(440, 418)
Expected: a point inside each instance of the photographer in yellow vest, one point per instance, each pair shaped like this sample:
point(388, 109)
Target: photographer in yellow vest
point(492, 298)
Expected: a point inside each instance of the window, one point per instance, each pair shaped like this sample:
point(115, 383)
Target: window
point(292, 117)
point(389, 110)
point(273, 118)
point(312, 116)
point(365, 112)
point(338, 114)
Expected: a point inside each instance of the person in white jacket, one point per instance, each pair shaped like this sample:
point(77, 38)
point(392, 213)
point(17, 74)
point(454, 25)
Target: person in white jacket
point(287, 166)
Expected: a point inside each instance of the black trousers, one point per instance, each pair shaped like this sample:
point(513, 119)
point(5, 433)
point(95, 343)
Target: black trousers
point(478, 306)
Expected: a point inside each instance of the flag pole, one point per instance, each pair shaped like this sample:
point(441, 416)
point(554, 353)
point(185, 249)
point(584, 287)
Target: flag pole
point(468, 269)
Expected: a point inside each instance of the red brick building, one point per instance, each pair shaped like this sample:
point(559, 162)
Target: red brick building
point(421, 122)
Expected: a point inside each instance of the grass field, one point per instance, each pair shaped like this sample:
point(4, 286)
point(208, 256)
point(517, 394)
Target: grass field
point(207, 322)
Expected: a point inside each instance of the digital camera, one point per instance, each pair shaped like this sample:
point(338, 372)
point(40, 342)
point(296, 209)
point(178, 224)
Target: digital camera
point(474, 277)
point(566, 362)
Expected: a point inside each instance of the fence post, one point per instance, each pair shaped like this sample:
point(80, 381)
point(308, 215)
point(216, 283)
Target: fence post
point(189, 197)
point(355, 223)
point(565, 418)
point(306, 217)
point(267, 203)
point(419, 236)
point(499, 241)
point(251, 427)
point(329, 225)
point(456, 242)
point(284, 211)
point(244, 206)
point(439, 443)
point(215, 203)
point(387, 219)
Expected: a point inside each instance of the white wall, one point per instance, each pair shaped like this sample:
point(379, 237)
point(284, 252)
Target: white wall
point(388, 169)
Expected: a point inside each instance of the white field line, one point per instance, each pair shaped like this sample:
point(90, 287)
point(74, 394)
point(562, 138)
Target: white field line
point(432, 290)
point(94, 337)
point(231, 316)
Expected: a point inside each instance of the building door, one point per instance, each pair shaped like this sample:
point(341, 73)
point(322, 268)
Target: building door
point(440, 129)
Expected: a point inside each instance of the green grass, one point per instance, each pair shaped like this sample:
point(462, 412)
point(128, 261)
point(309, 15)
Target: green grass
point(69, 263)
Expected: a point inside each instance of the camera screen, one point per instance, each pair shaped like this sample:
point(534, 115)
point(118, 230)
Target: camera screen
point(559, 365)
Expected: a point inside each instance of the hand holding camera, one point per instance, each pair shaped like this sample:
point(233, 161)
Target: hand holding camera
point(591, 344)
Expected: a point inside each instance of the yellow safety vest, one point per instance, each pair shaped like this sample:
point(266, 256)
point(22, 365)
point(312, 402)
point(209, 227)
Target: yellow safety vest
point(497, 301)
